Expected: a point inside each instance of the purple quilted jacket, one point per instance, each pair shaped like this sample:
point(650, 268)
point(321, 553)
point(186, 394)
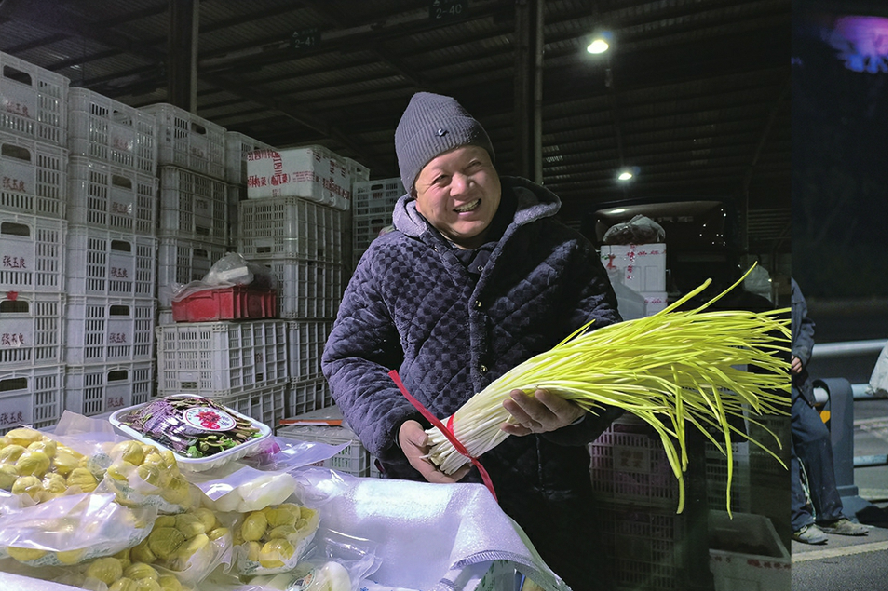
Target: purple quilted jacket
point(412, 306)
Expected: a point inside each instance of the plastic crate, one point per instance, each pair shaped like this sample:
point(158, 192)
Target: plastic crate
point(30, 397)
point(236, 194)
point(266, 405)
point(221, 359)
point(307, 396)
point(357, 171)
point(110, 197)
point(628, 464)
point(717, 478)
point(33, 101)
point(110, 132)
point(290, 227)
point(761, 463)
point(102, 329)
point(354, 459)
point(33, 177)
point(366, 228)
point(307, 289)
point(32, 253)
point(188, 141)
point(100, 388)
point(180, 261)
point(193, 205)
point(307, 339)
point(30, 329)
point(105, 263)
point(232, 303)
point(376, 198)
point(746, 553)
point(237, 146)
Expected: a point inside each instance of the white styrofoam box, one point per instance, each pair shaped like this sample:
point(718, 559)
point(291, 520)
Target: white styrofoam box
point(354, 459)
point(106, 263)
point(311, 172)
point(182, 260)
point(221, 359)
point(306, 289)
point(111, 197)
point(290, 227)
point(376, 198)
point(308, 395)
point(366, 228)
point(640, 267)
point(30, 328)
point(237, 146)
point(32, 252)
point(32, 177)
point(267, 404)
point(655, 301)
point(193, 205)
point(101, 329)
point(111, 132)
point(357, 171)
point(717, 477)
point(31, 397)
point(307, 339)
point(188, 141)
point(33, 101)
point(99, 388)
point(746, 553)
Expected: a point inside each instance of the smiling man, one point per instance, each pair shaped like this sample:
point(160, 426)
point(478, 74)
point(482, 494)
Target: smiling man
point(477, 277)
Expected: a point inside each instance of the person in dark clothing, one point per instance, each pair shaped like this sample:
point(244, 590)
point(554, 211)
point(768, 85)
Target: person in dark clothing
point(811, 445)
point(477, 277)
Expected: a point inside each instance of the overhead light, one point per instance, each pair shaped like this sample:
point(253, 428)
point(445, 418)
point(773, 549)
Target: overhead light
point(597, 46)
point(625, 175)
point(616, 210)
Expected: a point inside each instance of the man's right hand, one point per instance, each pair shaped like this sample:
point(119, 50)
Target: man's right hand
point(796, 365)
point(414, 443)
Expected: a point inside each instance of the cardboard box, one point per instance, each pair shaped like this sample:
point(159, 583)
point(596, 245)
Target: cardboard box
point(640, 267)
point(311, 172)
point(746, 554)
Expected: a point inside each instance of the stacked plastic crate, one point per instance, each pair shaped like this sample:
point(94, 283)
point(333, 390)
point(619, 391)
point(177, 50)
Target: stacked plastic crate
point(293, 223)
point(237, 147)
point(33, 229)
point(373, 203)
point(111, 254)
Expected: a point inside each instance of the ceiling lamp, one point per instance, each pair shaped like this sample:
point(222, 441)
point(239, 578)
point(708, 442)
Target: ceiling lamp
point(625, 175)
point(597, 46)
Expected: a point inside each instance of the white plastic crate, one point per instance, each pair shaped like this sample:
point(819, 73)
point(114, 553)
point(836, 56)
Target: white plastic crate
point(308, 395)
point(103, 329)
point(221, 359)
point(267, 405)
point(105, 263)
point(761, 463)
point(110, 132)
point(30, 397)
point(306, 289)
point(717, 478)
point(180, 261)
point(30, 329)
point(193, 205)
point(376, 198)
point(111, 197)
point(307, 339)
point(354, 459)
point(32, 177)
point(290, 227)
point(237, 146)
point(188, 141)
point(357, 171)
point(366, 228)
point(100, 388)
point(32, 253)
point(236, 194)
point(33, 101)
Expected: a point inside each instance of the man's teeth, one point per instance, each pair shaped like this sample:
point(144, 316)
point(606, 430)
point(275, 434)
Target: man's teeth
point(469, 206)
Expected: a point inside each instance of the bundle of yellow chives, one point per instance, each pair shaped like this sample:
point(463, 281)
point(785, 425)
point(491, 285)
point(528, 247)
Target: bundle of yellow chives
point(670, 369)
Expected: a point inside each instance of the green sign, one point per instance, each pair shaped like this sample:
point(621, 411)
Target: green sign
point(448, 9)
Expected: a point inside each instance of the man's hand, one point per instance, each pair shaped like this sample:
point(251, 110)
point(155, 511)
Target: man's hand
point(414, 443)
point(540, 413)
point(797, 366)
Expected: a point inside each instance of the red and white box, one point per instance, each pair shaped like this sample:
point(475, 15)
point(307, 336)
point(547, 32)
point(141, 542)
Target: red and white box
point(311, 172)
point(640, 267)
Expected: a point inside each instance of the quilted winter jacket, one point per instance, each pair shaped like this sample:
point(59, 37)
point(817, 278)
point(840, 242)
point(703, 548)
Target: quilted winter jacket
point(412, 306)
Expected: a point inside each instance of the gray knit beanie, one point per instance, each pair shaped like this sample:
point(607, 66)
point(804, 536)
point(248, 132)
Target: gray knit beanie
point(430, 126)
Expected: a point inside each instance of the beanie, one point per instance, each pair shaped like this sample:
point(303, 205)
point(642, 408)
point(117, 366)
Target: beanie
point(430, 126)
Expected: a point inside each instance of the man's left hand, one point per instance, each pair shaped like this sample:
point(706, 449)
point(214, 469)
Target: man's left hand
point(540, 413)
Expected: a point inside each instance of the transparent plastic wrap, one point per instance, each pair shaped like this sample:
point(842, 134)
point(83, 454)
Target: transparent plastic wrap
point(274, 539)
point(639, 230)
point(232, 269)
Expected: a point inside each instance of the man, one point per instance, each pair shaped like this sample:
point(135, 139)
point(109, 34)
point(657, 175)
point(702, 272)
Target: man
point(477, 278)
point(811, 445)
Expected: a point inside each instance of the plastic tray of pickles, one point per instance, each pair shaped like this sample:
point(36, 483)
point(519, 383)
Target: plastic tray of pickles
point(201, 433)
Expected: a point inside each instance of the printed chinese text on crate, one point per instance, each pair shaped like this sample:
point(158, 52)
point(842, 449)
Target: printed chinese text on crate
point(33, 177)
point(266, 404)
point(33, 101)
point(111, 132)
point(193, 206)
point(30, 397)
point(307, 339)
point(306, 289)
point(32, 253)
point(99, 388)
point(110, 197)
point(221, 359)
point(30, 329)
point(230, 303)
point(106, 263)
point(103, 329)
point(180, 261)
point(289, 227)
point(188, 141)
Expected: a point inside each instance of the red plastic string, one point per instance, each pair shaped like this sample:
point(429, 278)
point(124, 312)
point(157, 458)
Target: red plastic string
point(448, 433)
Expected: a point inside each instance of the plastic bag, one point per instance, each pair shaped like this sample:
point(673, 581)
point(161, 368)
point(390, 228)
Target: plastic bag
point(639, 230)
point(232, 269)
point(878, 384)
point(274, 539)
point(72, 529)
